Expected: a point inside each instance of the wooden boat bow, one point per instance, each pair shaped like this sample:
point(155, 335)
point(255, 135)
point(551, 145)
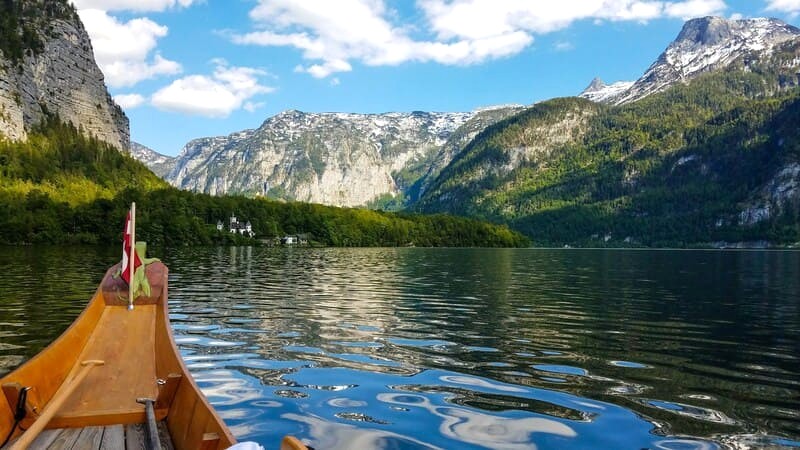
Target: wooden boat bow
point(93, 374)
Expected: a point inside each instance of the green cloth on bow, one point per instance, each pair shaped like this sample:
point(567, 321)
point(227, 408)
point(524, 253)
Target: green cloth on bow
point(140, 283)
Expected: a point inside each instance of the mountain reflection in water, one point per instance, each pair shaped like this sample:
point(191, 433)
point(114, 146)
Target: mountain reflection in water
point(463, 348)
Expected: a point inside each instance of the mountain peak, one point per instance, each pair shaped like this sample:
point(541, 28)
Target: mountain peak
point(714, 31)
point(596, 85)
point(598, 91)
point(706, 44)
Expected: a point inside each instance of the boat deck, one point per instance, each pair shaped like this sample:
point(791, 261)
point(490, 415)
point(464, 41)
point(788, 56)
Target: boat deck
point(113, 437)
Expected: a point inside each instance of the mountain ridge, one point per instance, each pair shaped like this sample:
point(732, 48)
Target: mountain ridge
point(341, 159)
point(703, 44)
point(709, 159)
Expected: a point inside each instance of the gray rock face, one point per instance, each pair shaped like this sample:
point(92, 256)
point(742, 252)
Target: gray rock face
point(459, 140)
point(703, 45)
point(773, 199)
point(63, 79)
point(160, 164)
point(337, 159)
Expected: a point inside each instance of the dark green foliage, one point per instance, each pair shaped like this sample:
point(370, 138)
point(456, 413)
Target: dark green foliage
point(22, 21)
point(674, 169)
point(61, 187)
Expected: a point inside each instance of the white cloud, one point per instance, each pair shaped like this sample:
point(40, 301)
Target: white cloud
point(129, 101)
point(563, 46)
point(122, 49)
point(218, 95)
point(694, 8)
point(786, 6)
point(333, 34)
point(131, 5)
point(253, 106)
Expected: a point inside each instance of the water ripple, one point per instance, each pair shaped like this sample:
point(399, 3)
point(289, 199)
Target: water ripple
point(463, 348)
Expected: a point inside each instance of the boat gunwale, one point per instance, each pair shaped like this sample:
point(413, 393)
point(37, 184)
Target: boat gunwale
point(167, 361)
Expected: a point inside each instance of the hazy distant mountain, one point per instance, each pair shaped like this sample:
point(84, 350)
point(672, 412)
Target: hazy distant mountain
point(160, 164)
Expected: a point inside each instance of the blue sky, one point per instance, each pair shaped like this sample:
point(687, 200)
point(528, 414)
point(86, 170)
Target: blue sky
point(184, 69)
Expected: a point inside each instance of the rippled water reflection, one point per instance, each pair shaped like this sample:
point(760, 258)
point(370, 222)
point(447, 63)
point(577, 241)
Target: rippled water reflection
point(435, 348)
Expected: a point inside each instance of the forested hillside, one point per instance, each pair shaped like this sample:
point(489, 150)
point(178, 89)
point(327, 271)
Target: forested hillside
point(62, 187)
point(713, 160)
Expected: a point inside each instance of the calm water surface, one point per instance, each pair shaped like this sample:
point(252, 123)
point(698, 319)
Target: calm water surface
point(462, 348)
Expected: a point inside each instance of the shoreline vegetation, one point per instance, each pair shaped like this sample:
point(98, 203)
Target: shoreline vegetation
point(60, 187)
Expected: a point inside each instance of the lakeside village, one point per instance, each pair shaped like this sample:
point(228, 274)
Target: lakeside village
point(246, 229)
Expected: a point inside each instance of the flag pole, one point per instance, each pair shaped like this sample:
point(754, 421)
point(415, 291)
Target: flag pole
point(132, 256)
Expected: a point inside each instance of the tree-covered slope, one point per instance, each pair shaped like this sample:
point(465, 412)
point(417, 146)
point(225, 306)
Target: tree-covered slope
point(707, 161)
point(60, 186)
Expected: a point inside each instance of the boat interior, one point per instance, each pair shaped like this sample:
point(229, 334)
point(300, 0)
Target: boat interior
point(114, 376)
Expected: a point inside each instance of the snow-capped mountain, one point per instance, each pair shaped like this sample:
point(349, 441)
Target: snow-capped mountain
point(338, 159)
point(158, 163)
point(598, 91)
point(703, 45)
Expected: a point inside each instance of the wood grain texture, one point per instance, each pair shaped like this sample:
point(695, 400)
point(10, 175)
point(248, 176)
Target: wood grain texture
point(210, 441)
point(164, 437)
point(113, 438)
point(55, 404)
point(66, 439)
point(44, 439)
point(89, 439)
point(135, 437)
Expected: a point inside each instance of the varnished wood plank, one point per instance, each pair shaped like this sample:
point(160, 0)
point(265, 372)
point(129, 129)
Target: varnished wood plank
point(124, 339)
point(164, 437)
point(135, 437)
point(55, 403)
point(166, 392)
point(65, 439)
point(210, 441)
point(98, 418)
point(90, 439)
point(12, 392)
point(47, 370)
point(181, 414)
point(199, 429)
point(44, 439)
point(113, 438)
point(139, 348)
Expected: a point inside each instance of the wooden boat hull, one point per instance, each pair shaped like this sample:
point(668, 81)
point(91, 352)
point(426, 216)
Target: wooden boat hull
point(140, 360)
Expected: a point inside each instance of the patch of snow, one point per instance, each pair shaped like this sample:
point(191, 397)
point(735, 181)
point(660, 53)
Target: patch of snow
point(607, 92)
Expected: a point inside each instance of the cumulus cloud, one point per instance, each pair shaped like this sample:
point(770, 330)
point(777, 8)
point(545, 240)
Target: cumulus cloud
point(122, 49)
point(331, 35)
point(786, 6)
point(218, 95)
point(129, 101)
point(694, 8)
point(131, 5)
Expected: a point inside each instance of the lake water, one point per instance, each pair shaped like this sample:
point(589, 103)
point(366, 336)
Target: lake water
point(462, 348)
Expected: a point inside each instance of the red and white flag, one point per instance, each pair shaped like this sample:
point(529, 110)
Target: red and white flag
point(128, 252)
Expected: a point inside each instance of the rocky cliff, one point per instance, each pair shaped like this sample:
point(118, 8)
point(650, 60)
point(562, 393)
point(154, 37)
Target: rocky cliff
point(47, 67)
point(160, 164)
point(337, 159)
